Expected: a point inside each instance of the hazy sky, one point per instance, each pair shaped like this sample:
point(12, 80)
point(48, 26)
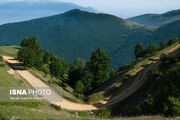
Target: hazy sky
point(125, 8)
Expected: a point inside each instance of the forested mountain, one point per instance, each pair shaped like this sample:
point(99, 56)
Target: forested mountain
point(76, 34)
point(157, 19)
point(27, 10)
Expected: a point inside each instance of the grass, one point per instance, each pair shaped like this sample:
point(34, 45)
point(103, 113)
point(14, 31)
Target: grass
point(7, 80)
point(96, 97)
point(52, 81)
point(9, 50)
point(35, 110)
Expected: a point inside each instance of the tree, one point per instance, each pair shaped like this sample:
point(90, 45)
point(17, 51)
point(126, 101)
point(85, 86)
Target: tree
point(163, 44)
point(56, 68)
point(99, 66)
point(30, 57)
point(79, 87)
point(79, 63)
point(87, 80)
point(46, 57)
point(139, 50)
point(151, 49)
point(77, 71)
point(172, 40)
point(31, 42)
point(45, 68)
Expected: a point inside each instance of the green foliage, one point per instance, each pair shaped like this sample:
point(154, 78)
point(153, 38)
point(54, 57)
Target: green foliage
point(45, 68)
point(164, 91)
point(25, 104)
point(104, 113)
point(76, 34)
point(99, 65)
point(76, 71)
point(79, 63)
point(46, 57)
point(157, 19)
point(174, 106)
point(32, 55)
point(151, 49)
point(58, 108)
point(163, 44)
point(56, 67)
point(87, 80)
point(9, 50)
point(139, 50)
point(1, 58)
point(172, 40)
point(95, 97)
point(170, 59)
point(79, 87)
point(30, 42)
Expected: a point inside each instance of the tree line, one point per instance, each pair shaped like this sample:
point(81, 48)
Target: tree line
point(83, 77)
point(141, 52)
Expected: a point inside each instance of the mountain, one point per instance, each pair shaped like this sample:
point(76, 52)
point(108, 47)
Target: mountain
point(24, 10)
point(76, 34)
point(157, 19)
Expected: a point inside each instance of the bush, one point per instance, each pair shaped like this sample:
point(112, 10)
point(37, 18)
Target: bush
point(95, 97)
point(172, 40)
point(104, 113)
point(163, 44)
point(58, 108)
point(1, 58)
point(175, 106)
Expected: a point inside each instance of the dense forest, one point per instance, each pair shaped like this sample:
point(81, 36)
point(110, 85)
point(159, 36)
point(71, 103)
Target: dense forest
point(157, 19)
point(76, 34)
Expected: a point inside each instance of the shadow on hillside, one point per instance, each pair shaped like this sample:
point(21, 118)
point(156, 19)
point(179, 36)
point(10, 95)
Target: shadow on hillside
point(17, 66)
point(132, 99)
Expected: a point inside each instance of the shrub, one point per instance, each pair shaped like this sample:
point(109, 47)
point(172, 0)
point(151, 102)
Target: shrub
point(1, 58)
point(175, 106)
point(104, 113)
point(95, 97)
point(172, 40)
point(58, 108)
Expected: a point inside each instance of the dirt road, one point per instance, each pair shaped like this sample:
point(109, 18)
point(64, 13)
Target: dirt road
point(138, 81)
point(35, 82)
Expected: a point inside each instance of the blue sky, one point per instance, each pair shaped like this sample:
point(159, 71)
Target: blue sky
point(125, 8)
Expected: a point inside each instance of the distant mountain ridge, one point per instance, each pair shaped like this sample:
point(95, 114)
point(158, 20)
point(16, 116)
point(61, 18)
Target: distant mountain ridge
point(157, 19)
point(24, 10)
point(76, 34)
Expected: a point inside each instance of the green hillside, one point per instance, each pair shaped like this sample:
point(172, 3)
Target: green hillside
point(38, 110)
point(76, 34)
point(157, 19)
point(159, 94)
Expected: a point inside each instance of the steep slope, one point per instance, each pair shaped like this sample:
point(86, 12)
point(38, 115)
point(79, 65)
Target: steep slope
point(159, 94)
point(27, 10)
point(167, 30)
point(132, 97)
point(76, 34)
point(157, 19)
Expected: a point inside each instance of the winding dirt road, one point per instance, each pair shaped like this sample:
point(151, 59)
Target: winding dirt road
point(35, 82)
point(138, 81)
